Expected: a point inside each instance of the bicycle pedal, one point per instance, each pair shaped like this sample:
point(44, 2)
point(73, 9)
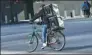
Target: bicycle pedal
point(43, 47)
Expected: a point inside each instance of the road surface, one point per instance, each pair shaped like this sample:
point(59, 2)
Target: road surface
point(78, 38)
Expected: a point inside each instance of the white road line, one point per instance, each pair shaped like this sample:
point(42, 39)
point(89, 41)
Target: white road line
point(42, 52)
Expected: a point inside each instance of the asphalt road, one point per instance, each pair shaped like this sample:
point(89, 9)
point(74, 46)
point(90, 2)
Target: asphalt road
point(78, 38)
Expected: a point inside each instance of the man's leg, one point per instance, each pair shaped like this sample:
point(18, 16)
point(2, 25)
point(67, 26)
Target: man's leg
point(84, 12)
point(88, 13)
point(44, 37)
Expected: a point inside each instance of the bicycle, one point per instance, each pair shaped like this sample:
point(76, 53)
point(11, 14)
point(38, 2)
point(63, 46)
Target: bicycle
point(53, 40)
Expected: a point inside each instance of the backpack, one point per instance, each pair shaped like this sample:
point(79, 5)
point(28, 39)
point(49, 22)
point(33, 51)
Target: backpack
point(85, 7)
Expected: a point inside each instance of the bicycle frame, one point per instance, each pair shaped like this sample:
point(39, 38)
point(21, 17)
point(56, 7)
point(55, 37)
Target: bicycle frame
point(36, 30)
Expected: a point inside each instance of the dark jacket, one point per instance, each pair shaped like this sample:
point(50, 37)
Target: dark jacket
point(45, 13)
point(89, 5)
point(86, 5)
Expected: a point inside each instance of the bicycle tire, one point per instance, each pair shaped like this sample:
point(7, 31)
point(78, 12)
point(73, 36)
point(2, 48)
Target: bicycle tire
point(63, 45)
point(36, 40)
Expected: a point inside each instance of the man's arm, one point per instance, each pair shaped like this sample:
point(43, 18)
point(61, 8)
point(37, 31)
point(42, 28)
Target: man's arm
point(89, 4)
point(37, 15)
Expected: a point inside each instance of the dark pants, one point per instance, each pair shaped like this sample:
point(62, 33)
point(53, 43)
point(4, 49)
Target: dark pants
point(86, 12)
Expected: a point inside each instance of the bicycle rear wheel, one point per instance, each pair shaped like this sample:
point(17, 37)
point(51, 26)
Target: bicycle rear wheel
point(32, 43)
point(57, 42)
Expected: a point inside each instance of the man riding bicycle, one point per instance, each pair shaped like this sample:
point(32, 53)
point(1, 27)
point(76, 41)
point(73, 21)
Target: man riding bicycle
point(45, 13)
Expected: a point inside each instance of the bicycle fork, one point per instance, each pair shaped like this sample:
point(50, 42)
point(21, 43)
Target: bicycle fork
point(31, 39)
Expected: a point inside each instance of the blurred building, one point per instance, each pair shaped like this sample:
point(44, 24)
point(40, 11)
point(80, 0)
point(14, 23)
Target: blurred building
point(10, 10)
point(14, 10)
point(64, 5)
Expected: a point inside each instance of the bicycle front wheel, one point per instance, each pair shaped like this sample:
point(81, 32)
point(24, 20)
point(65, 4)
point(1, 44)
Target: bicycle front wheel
point(32, 43)
point(57, 41)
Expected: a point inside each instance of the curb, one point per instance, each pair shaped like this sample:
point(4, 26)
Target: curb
point(20, 22)
point(79, 19)
point(70, 19)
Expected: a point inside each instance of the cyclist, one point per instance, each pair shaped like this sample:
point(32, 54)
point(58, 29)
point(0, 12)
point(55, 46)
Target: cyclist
point(44, 13)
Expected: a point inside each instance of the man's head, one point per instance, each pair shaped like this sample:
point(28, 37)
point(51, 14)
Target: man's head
point(85, 0)
point(42, 5)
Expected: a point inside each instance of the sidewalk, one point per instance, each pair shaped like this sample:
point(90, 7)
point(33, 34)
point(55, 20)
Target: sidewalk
point(65, 19)
point(68, 18)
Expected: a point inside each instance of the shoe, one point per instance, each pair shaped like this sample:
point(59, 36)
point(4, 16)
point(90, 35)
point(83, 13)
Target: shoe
point(44, 45)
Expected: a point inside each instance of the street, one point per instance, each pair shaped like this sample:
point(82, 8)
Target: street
point(78, 36)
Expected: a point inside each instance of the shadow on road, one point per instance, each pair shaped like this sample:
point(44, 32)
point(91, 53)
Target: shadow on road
point(78, 47)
